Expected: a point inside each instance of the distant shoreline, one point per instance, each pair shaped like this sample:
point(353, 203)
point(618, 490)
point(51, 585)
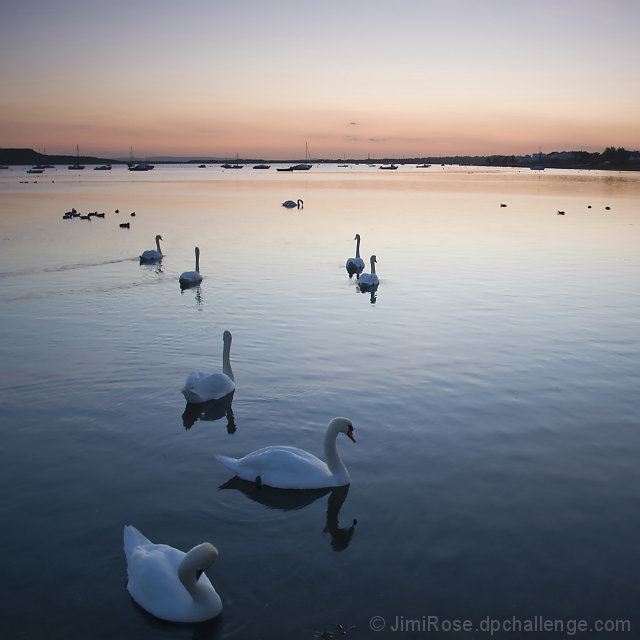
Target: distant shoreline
point(613, 159)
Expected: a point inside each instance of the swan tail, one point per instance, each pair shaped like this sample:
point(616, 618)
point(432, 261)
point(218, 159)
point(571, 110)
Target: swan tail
point(132, 539)
point(230, 463)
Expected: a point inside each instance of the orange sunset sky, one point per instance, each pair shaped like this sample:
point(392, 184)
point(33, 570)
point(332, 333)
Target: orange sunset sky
point(352, 78)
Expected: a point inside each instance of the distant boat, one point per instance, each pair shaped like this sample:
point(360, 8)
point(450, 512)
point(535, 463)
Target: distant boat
point(237, 165)
point(3, 166)
point(103, 167)
point(389, 166)
point(141, 166)
point(36, 170)
point(305, 166)
point(262, 166)
point(202, 166)
point(77, 166)
point(423, 166)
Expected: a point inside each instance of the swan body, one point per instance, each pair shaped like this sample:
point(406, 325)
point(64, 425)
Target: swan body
point(169, 583)
point(152, 255)
point(202, 387)
point(290, 204)
point(191, 278)
point(355, 265)
point(292, 468)
point(370, 279)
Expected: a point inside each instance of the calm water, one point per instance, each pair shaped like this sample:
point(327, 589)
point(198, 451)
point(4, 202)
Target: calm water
point(492, 381)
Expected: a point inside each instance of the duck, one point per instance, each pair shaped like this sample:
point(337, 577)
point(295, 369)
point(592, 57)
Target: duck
point(355, 265)
point(125, 225)
point(152, 255)
point(283, 467)
point(203, 387)
point(191, 278)
point(370, 279)
point(290, 204)
point(168, 583)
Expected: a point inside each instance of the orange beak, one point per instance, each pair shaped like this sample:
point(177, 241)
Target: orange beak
point(350, 435)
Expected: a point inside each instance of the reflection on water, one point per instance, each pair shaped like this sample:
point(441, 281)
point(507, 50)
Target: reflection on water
point(288, 500)
point(496, 385)
point(340, 536)
point(371, 289)
point(210, 411)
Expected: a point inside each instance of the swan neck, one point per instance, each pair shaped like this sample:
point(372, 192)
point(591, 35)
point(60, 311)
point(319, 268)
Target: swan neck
point(197, 261)
point(158, 245)
point(331, 455)
point(373, 266)
point(193, 564)
point(226, 359)
point(357, 246)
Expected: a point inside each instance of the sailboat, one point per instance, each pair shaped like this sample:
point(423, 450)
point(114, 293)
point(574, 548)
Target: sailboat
point(305, 166)
point(139, 166)
point(299, 167)
point(237, 165)
point(77, 166)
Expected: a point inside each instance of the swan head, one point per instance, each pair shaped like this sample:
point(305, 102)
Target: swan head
point(300, 203)
point(197, 252)
point(343, 425)
point(158, 237)
point(226, 337)
point(357, 236)
point(373, 260)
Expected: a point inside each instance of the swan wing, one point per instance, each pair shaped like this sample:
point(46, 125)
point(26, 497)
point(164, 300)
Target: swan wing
point(150, 255)
point(191, 276)
point(369, 278)
point(202, 387)
point(355, 263)
point(132, 539)
point(282, 467)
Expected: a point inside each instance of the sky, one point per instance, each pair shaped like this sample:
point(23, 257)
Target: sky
point(348, 78)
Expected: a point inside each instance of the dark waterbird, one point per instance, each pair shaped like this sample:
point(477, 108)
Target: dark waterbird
point(290, 204)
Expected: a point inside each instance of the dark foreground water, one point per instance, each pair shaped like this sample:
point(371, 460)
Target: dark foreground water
point(492, 381)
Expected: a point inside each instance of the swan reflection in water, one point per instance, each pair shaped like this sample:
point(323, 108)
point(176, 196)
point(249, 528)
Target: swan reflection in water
point(287, 500)
point(197, 291)
point(210, 411)
point(372, 291)
point(153, 267)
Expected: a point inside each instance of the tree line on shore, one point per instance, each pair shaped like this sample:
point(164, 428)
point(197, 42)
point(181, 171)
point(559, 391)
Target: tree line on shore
point(613, 158)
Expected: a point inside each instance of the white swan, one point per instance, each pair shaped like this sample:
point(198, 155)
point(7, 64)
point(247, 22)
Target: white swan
point(167, 582)
point(355, 265)
point(202, 387)
point(190, 278)
point(290, 204)
point(152, 255)
point(369, 279)
point(293, 468)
